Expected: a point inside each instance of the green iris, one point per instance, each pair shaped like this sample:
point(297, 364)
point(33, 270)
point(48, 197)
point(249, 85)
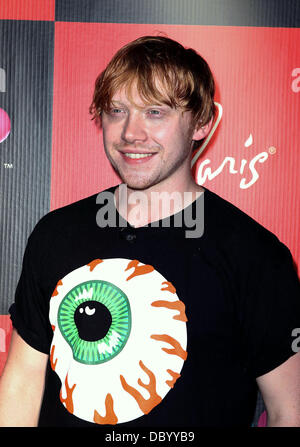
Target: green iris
point(95, 319)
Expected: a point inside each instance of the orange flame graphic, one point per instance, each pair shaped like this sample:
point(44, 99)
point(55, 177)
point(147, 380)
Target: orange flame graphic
point(177, 305)
point(174, 375)
point(55, 290)
point(169, 287)
point(52, 363)
point(110, 417)
point(68, 401)
point(145, 405)
point(138, 269)
point(177, 349)
point(94, 263)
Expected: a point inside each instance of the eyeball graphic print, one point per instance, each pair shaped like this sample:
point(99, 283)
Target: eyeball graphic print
point(119, 339)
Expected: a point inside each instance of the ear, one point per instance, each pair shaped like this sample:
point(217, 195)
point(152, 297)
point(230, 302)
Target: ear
point(203, 131)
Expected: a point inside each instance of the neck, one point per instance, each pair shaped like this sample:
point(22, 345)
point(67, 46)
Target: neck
point(141, 207)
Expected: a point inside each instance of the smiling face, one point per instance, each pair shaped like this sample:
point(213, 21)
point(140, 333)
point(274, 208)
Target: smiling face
point(147, 144)
point(148, 100)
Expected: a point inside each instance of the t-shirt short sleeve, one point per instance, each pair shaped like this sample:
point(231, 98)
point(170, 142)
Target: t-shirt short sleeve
point(269, 309)
point(29, 312)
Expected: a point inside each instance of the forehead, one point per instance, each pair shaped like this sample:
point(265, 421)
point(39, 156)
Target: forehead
point(132, 93)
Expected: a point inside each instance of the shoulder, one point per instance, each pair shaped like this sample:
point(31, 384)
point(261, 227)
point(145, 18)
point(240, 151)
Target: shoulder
point(67, 222)
point(78, 215)
point(231, 229)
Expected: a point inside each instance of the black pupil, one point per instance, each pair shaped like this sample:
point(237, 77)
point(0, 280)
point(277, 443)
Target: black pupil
point(92, 320)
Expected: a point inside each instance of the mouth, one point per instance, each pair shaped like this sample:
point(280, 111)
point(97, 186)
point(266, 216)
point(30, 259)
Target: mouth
point(135, 157)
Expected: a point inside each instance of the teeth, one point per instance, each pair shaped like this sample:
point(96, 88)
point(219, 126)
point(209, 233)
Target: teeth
point(130, 155)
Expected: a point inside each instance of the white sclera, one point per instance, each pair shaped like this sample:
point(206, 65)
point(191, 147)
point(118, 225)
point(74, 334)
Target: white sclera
point(94, 382)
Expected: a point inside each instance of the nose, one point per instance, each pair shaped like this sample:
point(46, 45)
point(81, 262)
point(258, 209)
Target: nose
point(134, 128)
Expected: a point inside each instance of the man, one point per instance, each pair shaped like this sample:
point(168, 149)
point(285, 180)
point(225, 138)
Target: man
point(134, 323)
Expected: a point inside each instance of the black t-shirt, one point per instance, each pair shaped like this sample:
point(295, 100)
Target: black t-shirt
point(147, 328)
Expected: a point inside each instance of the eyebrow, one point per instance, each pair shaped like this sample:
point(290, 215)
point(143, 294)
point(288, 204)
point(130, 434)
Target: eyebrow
point(117, 102)
point(145, 106)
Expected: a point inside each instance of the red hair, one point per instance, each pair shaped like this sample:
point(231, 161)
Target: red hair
point(184, 77)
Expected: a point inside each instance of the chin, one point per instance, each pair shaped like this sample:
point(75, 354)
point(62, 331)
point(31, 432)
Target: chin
point(138, 186)
point(134, 182)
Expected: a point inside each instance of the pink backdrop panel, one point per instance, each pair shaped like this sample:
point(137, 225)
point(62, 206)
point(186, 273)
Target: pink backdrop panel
point(5, 336)
point(27, 9)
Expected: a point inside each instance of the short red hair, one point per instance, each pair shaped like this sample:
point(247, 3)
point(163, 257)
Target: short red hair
point(185, 76)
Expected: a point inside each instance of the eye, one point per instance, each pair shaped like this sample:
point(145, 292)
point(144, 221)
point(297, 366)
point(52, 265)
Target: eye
point(95, 319)
point(116, 111)
point(154, 113)
point(119, 340)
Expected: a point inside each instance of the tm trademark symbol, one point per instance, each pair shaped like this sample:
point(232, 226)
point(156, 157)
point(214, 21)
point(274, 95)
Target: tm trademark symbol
point(8, 165)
